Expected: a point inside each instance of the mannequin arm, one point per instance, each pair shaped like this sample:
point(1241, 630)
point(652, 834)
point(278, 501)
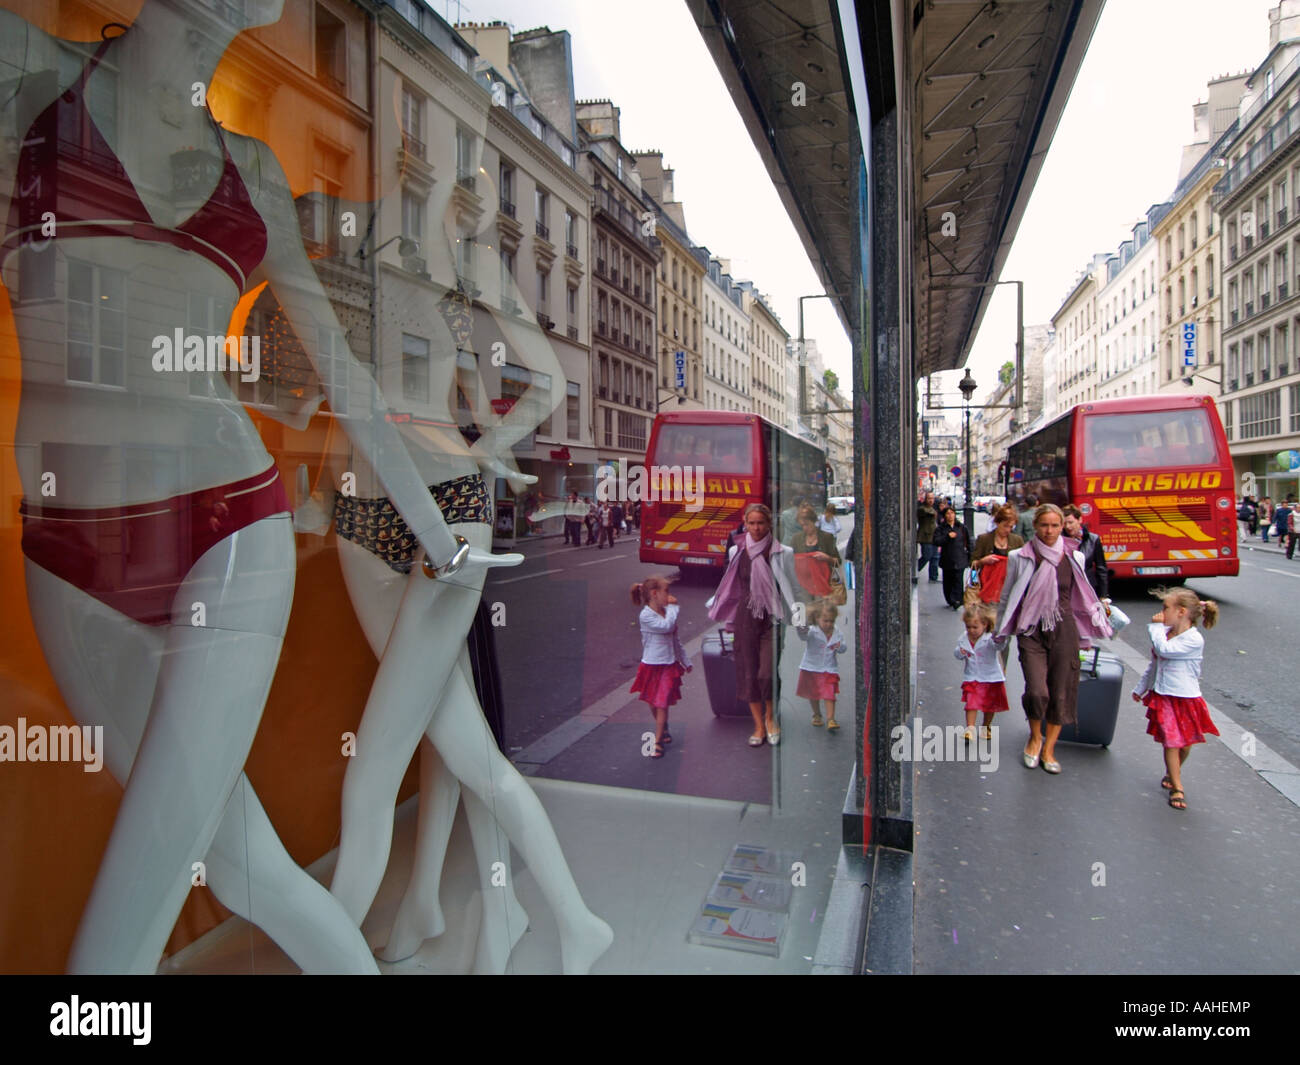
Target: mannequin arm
point(352, 391)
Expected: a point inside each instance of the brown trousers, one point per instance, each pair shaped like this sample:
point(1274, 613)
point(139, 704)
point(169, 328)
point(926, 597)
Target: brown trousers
point(1050, 662)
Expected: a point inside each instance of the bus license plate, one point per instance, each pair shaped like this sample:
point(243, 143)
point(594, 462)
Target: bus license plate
point(1156, 571)
point(698, 561)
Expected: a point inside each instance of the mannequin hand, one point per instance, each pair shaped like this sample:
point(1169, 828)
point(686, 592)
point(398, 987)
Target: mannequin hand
point(487, 560)
point(518, 481)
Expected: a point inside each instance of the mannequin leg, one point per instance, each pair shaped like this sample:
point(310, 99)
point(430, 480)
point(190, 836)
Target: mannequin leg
point(462, 736)
point(504, 920)
point(107, 666)
point(422, 649)
point(252, 874)
point(212, 683)
point(419, 917)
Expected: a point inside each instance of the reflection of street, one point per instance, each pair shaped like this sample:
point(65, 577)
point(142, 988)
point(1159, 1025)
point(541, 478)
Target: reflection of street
point(568, 651)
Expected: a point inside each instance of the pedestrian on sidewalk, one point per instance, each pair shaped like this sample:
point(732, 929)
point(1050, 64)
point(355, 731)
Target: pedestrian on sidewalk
point(663, 659)
point(989, 560)
point(573, 512)
point(605, 518)
point(815, 556)
point(819, 676)
point(592, 520)
point(1245, 519)
point(1292, 531)
point(953, 543)
point(926, 518)
point(1265, 517)
point(1177, 716)
point(983, 684)
point(1281, 517)
point(828, 522)
point(1025, 522)
point(615, 521)
point(1094, 557)
point(755, 593)
point(1048, 604)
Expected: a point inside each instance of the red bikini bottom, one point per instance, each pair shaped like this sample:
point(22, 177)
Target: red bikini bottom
point(134, 558)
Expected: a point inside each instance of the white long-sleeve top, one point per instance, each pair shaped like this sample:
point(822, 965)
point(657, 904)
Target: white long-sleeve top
point(819, 654)
point(981, 660)
point(659, 643)
point(1175, 666)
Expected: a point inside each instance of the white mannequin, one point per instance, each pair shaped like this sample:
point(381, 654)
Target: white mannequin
point(180, 703)
point(425, 689)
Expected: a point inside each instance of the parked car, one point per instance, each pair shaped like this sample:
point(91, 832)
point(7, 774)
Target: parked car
point(842, 504)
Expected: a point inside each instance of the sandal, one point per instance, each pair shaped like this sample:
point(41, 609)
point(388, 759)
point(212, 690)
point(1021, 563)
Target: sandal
point(658, 751)
point(817, 721)
point(667, 737)
point(832, 725)
point(756, 741)
point(1177, 799)
point(1166, 783)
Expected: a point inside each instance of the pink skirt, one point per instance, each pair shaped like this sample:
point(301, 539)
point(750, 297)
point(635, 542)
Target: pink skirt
point(659, 685)
point(1177, 721)
point(817, 685)
point(988, 696)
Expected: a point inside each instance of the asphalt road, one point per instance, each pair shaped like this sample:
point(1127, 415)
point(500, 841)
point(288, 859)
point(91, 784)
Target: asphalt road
point(1252, 667)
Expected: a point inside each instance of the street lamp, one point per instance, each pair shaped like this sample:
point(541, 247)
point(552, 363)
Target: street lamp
point(967, 385)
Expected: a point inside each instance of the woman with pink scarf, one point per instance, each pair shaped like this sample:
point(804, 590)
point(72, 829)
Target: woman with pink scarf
point(754, 592)
point(1051, 608)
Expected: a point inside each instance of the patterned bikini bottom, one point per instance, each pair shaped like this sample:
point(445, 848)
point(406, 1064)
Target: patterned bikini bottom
point(375, 524)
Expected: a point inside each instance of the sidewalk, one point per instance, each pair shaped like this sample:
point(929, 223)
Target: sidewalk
point(1017, 871)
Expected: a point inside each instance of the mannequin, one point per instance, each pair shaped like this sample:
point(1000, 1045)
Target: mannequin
point(424, 693)
point(164, 473)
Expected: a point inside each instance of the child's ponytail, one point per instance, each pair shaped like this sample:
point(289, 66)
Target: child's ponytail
point(638, 594)
point(1209, 613)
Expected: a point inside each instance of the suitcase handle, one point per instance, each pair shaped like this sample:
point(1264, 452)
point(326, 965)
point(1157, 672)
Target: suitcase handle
point(722, 642)
point(1096, 655)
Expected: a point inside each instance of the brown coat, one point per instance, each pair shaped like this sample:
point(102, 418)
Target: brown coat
point(984, 544)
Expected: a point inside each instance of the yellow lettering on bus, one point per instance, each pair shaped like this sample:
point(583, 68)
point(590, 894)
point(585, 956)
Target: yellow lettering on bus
point(1187, 480)
point(1133, 483)
point(1107, 486)
point(1164, 482)
point(1090, 485)
point(1212, 479)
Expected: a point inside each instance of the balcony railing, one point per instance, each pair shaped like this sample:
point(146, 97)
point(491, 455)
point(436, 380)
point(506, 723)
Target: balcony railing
point(467, 182)
point(613, 276)
point(600, 266)
point(602, 327)
point(573, 332)
point(1263, 301)
point(413, 145)
point(1250, 308)
point(1232, 253)
point(507, 208)
point(1282, 291)
point(1263, 230)
point(543, 231)
point(571, 250)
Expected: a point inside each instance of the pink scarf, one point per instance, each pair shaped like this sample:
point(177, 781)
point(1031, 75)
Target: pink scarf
point(1040, 606)
point(762, 585)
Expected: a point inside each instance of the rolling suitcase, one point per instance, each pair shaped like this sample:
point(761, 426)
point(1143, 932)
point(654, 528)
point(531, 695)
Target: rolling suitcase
point(1101, 678)
point(720, 675)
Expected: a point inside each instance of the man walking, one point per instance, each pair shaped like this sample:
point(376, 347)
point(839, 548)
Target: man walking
point(573, 512)
point(926, 517)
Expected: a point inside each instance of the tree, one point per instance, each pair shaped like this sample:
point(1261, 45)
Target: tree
point(1006, 372)
point(831, 380)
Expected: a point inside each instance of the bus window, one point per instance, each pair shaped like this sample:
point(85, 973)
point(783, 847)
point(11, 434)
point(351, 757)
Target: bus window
point(1149, 438)
point(718, 448)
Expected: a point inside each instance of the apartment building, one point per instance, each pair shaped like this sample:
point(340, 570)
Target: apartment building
point(724, 347)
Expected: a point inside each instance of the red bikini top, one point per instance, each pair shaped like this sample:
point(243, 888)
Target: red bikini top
point(66, 167)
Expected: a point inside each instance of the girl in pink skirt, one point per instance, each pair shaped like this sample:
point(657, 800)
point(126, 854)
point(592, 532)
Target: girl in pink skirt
point(983, 685)
point(663, 659)
point(1171, 686)
point(819, 678)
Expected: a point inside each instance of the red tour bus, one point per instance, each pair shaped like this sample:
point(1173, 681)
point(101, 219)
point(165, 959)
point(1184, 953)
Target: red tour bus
point(1152, 475)
point(739, 459)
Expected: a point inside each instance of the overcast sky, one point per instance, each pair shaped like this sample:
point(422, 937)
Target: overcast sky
point(1115, 152)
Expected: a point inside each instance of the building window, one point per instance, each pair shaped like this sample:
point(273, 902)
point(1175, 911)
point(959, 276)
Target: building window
point(543, 290)
point(609, 426)
point(415, 368)
point(573, 410)
point(465, 168)
point(466, 381)
point(413, 122)
point(507, 276)
point(1293, 404)
point(631, 430)
point(96, 324)
point(516, 380)
point(412, 215)
point(571, 233)
point(331, 49)
point(506, 188)
point(541, 207)
point(1260, 415)
point(465, 258)
point(571, 305)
